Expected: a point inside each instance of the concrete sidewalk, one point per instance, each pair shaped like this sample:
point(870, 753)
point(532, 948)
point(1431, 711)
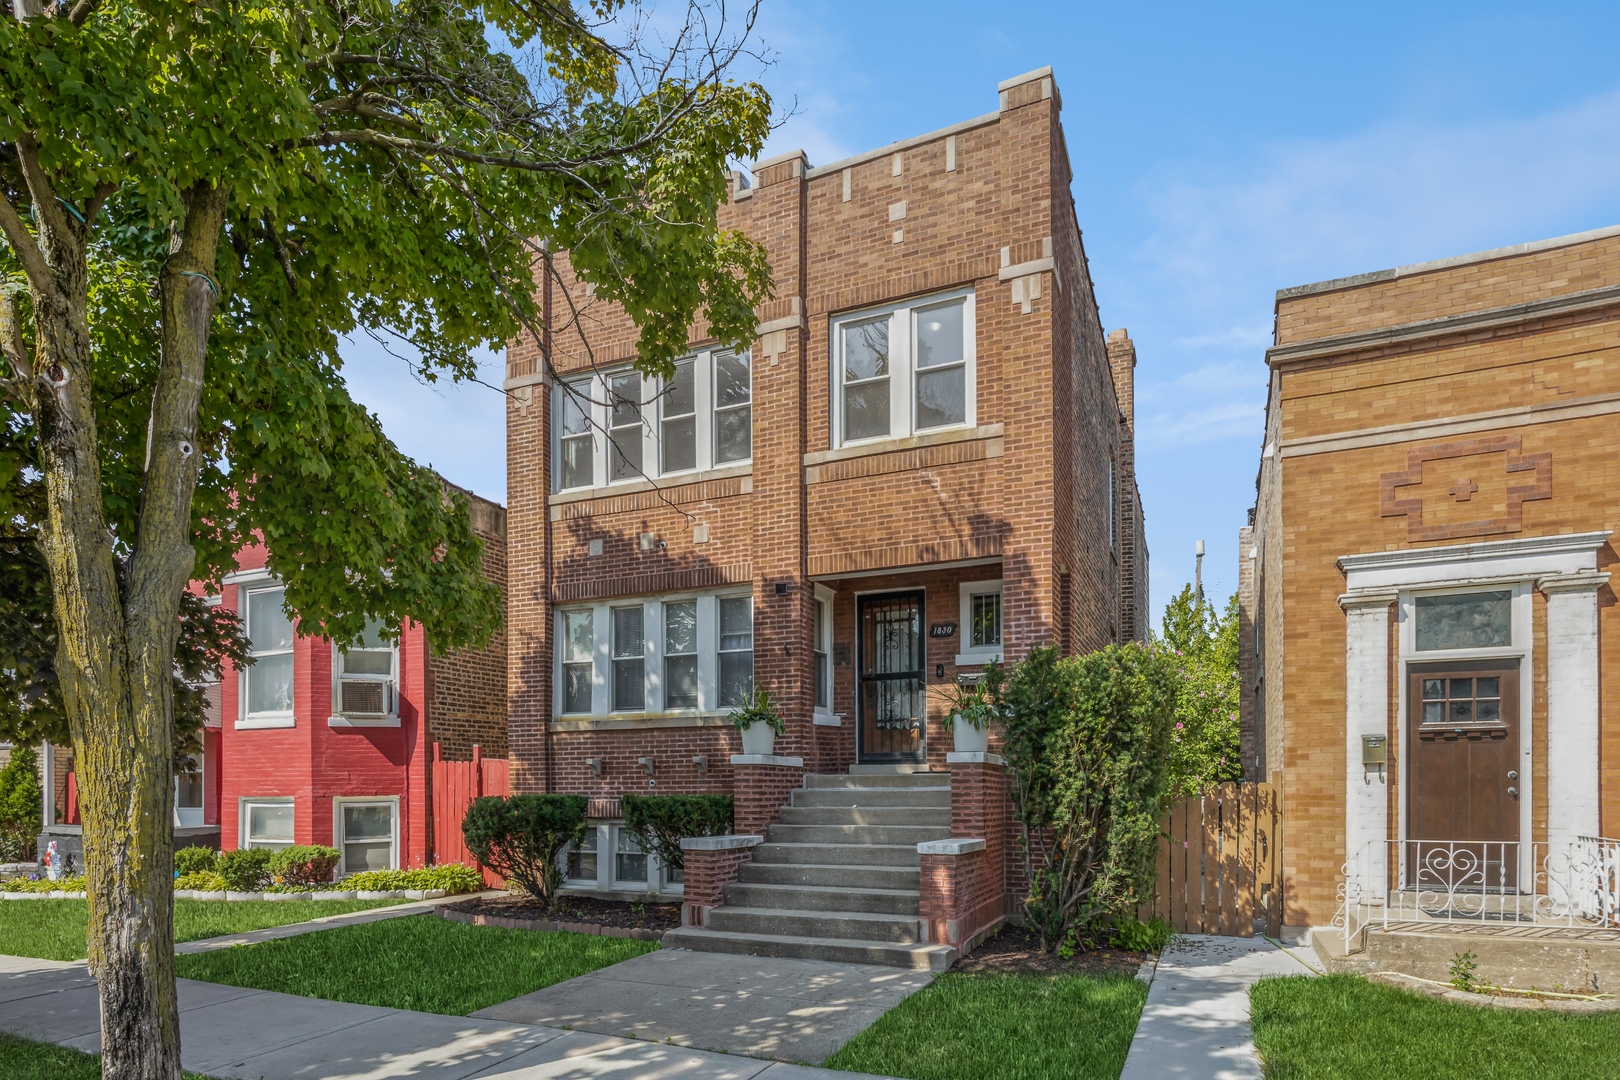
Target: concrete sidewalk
point(229, 1032)
point(770, 1007)
point(1195, 1025)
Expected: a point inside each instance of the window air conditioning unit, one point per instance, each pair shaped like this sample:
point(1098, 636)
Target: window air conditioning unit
point(367, 697)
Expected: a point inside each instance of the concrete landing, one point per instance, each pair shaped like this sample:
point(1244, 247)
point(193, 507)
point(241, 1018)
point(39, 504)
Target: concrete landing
point(761, 1007)
point(1195, 1025)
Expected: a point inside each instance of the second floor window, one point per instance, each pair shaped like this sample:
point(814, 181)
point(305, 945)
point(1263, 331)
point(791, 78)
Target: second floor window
point(622, 427)
point(904, 371)
point(366, 675)
point(269, 682)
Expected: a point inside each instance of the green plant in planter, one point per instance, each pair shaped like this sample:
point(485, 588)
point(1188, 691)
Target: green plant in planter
point(660, 821)
point(758, 708)
point(975, 702)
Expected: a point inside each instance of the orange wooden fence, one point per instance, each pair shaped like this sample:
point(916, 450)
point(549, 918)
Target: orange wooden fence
point(455, 785)
point(1219, 863)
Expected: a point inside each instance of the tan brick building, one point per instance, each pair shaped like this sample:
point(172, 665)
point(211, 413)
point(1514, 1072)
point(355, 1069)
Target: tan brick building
point(923, 464)
point(1430, 641)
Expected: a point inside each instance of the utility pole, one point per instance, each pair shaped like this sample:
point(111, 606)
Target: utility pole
point(1198, 571)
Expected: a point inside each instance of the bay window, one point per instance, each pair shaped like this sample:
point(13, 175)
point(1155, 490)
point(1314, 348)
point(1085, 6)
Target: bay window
point(905, 370)
point(623, 427)
point(681, 653)
point(267, 686)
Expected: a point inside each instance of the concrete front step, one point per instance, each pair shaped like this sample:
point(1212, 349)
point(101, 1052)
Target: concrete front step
point(856, 834)
point(888, 770)
point(830, 876)
point(823, 898)
point(874, 796)
point(903, 856)
point(882, 780)
point(835, 950)
point(858, 925)
point(866, 815)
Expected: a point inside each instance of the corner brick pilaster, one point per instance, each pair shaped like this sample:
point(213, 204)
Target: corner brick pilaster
point(964, 879)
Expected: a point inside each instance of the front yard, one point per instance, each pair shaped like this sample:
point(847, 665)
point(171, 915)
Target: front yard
point(422, 963)
point(55, 929)
point(24, 1059)
point(1342, 1027)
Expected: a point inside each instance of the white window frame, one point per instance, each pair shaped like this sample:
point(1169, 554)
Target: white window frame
point(340, 719)
point(970, 656)
point(244, 807)
point(606, 881)
point(902, 367)
point(245, 720)
point(188, 816)
point(595, 389)
point(708, 666)
point(823, 716)
point(339, 841)
point(583, 882)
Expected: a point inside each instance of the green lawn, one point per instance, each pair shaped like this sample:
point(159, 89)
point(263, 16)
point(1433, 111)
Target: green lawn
point(422, 963)
point(1342, 1027)
point(24, 1059)
point(1011, 1027)
point(54, 929)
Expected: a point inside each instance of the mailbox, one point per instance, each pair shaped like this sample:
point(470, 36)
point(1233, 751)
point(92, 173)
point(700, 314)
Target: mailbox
point(1373, 751)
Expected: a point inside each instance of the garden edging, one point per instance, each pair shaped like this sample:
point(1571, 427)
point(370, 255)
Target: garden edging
point(596, 929)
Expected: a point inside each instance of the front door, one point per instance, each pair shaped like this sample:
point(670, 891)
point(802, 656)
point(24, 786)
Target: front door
point(1464, 802)
point(891, 692)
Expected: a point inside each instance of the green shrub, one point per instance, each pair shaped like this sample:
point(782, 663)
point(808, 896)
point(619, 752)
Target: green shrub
point(195, 860)
point(758, 708)
point(72, 884)
point(660, 821)
point(1134, 935)
point(20, 815)
point(1087, 746)
point(201, 880)
point(246, 869)
point(451, 877)
point(304, 864)
point(520, 836)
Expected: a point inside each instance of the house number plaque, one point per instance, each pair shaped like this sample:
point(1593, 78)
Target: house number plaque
point(942, 629)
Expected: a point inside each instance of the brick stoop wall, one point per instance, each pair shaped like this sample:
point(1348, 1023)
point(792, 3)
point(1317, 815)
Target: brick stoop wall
point(712, 863)
point(763, 785)
point(965, 879)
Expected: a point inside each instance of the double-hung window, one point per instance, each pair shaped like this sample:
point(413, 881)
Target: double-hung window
point(366, 834)
point(268, 682)
point(621, 427)
point(367, 675)
point(981, 622)
point(680, 655)
point(906, 370)
point(821, 647)
point(267, 823)
point(578, 661)
point(736, 650)
point(629, 660)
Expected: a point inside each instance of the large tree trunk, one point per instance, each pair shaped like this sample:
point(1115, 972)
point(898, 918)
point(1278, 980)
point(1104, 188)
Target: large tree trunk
point(117, 637)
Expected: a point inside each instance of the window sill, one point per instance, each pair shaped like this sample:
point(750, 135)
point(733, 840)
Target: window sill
point(640, 721)
point(362, 721)
point(257, 723)
point(631, 487)
point(827, 719)
point(978, 658)
point(911, 442)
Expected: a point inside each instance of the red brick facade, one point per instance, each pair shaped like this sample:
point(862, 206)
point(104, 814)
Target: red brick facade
point(1018, 493)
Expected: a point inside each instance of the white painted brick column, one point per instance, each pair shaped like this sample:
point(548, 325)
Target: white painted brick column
point(1573, 711)
point(1366, 712)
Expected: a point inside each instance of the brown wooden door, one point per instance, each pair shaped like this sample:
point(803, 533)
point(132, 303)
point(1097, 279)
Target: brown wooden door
point(1463, 807)
point(891, 687)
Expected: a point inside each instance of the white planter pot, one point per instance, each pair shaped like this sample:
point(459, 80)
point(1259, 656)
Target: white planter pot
point(969, 739)
point(759, 738)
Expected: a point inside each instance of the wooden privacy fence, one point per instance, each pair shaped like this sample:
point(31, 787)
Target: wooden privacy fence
point(455, 785)
point(1219, 862)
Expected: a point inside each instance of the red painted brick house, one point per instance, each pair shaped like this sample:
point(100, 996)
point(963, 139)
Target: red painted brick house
point(315, 746)
point(924, 463)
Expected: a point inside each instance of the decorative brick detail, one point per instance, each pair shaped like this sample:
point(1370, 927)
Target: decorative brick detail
point(704, 881)
point(1539, 487)
point(761, 791)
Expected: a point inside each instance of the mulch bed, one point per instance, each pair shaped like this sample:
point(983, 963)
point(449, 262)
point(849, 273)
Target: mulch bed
point(578, 914)
point(1014, 950)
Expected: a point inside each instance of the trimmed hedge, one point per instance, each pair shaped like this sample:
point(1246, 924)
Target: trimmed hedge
point(246, 869)
point(304, 864)
point(195, 860)
point(660, 821)
point(451, 877)
point(520, 837)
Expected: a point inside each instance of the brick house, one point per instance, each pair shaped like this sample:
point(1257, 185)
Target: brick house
point(923, 464)
point(314, 746)
point(1431, 655)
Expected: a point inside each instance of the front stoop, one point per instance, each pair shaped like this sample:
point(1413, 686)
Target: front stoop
point(1573, 959)
point(837, 878)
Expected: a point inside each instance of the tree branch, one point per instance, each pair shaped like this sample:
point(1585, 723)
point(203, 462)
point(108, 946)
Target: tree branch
point(39, 186)
point(26, 247)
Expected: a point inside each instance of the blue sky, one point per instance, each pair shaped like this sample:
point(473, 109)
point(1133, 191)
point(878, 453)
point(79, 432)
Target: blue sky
point(1220, 152)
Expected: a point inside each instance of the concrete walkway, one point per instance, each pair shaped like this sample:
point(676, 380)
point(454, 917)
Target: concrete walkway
point(229, 1032)
point(769, 1007)
point(1195, 1025)
point(325, 922)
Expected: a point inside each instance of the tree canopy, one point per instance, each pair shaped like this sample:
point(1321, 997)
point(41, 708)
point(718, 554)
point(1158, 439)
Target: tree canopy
point(1205, 746)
